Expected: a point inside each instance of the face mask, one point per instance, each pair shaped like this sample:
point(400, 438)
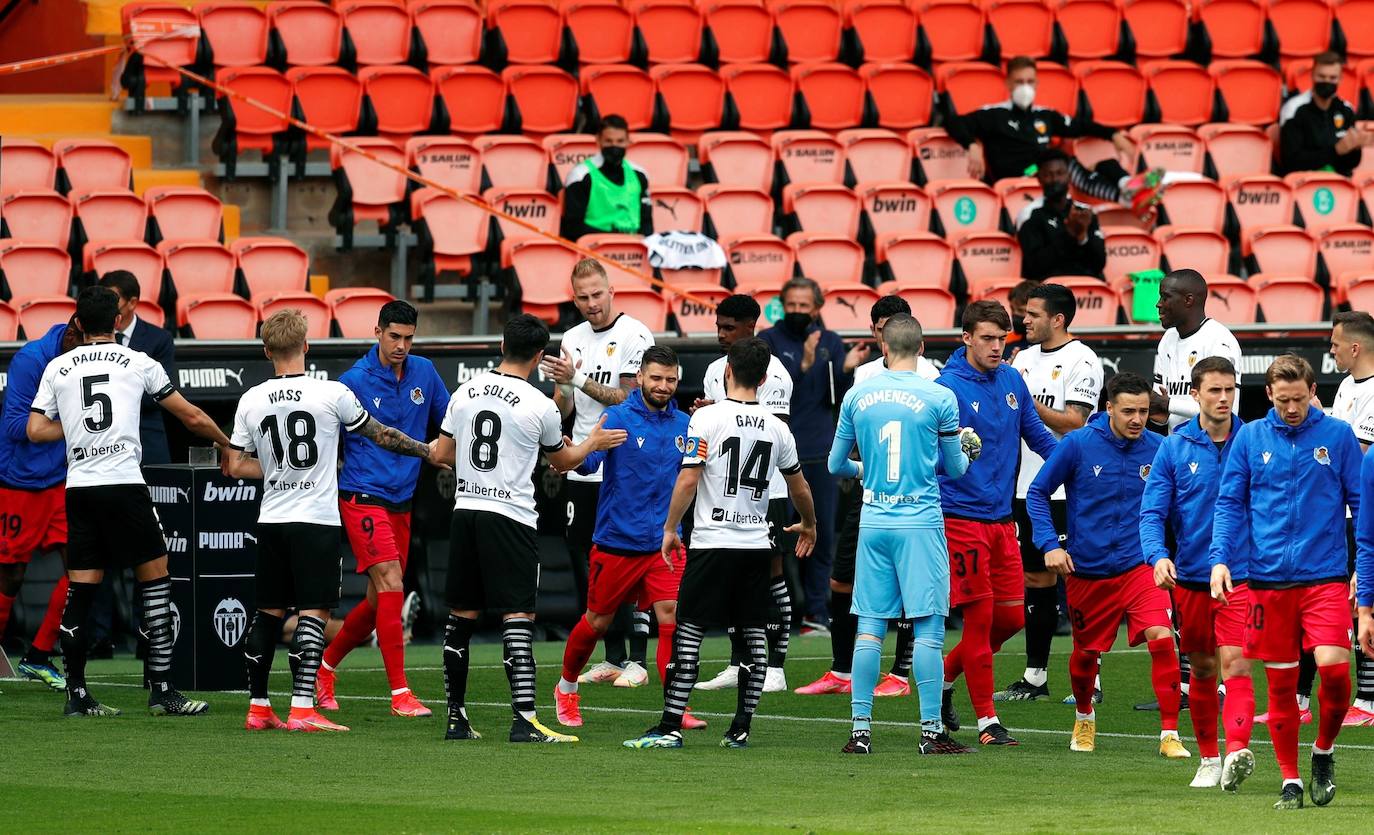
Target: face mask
point(1018, 326)
point(613, 155)
point(1324, 89)
point(1054, 192)
point(797, 323)
point(1023, 96)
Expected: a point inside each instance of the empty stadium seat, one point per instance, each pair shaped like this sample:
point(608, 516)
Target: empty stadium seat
point(1358, 289)
point(1023, 27)
point(401, 101)
point(44, 216)
point(915, 259)
point(27, 166)
point(447, 31)
point(736, 210)
point(1281, 250)
point(1159, 27)
point(1200, 203)
point(185, 213)
point(847, 307)
point(1354, 17)
point(308, 33)
point(134, 256)
point(968, 85)
point(9, 323)
point(758, 260)
point(883, 31)
point(1303, 27)
point(1230, 300)
point(1289, 298)
point(743, 31)
point(696, 316)
point(997, 289)
point(833, 94)
point(1204, 250)
point(937, 156)
point(1252, 91)
point(513, 161)
point(933, 307)
point(233, 34)
point(378, 30)
point(1097, 301)
point(1115, 91)
point(1129, 251)
point(526, 32)
point(1092, 28)
point(109, 216)
point(220, 316)
point(1366, 184)
point(964, 206)
point(809, 156)
point(541, 268)
point(629, 258)
point(1237, 150)
point(447, 160)
point(544, 99)
point(822, 207)
point(1171, 147)
point(643, 303)
point(902, 94)
point(531, 205)
point(197, 269)
point(671, 31)
point(828, 258)
point(663, 158)
point(451, 232)
point(875, 155)
point(735, 158)
point(954, 30)
point(810, 30)
point(1056, 87)
point(1235, 27)
point(566, 150)
point(1343, 250)
point(988, 254)
point(150, 27)
point(33, 270)
point(1260, 200)
point(1017, 195)
point(271, 265)
point(317, 314)
point(762, 95)
point(693, 96)
point(1323, 198)
point(329, 98)
point(355, 309)
point(1184, 91)
point(37, 316)
point(620, 89)
point(244, 127)
point(676, 209)
point(474, 99)
point(91, 165)
point(366, 189)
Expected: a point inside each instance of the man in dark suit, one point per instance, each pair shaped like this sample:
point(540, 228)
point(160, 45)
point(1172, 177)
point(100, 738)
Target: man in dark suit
point(152, 340)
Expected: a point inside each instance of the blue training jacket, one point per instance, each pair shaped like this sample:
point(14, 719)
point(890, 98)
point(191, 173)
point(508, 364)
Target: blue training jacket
point(1364, 537)
point(637, 482)
point(1104, 477)
point(24, 464)
point(998, 406)
point(1288, 485)
point(410, 404)
point(1182, 493)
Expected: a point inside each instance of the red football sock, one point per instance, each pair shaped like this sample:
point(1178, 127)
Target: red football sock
point(1006, 622)
point(1082, 673)
point(1164, 677)
point(663, 653)
point(1334, 698)
point(6, 606)
point(46, 637)
point(391, 638)
point(1203, 702)
point(1283, 718)
point(581, 642)
point(977, 656)
point(356, 627)
point(1239, 714)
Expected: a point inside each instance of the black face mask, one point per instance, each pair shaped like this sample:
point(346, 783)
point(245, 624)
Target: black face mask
point(613, 155)
point(1018, 326)
point(1324, 89)
point(1055, 192)
point(797, 323)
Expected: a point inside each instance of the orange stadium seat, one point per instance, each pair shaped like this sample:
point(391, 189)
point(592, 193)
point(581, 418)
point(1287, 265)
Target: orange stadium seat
point(1324, 199)
point(1160, 27)
point(1116, 92)
point(743, 31)
point(197, 269)
point(513, 161)
point(135, 256)
point(1358, 289)
point(997, 289)
point(532, 205)
point(694, 97)
point(1342, 250)
point(954, 30)
point(44, 216)
point(1231, 300)
point(915, 259)
point(1204, 250)
point(185, 213)
point(1185, 92)
point(833, 94)
point(150, 312)
point(1289, 298)
point(1129, 250)
point(628, 256)
point(875, 154)
point(1017, 195)
point(988, 254)
point(309, 34)
point(34, 270)
point(758, 260)
point(1235, 27)
point(1237, 150)
point(540, 268)
point(965, 206)
point(355, 309)
point(566, 150)
point(148, 27)
point(902, 94)
point(1366, 183)
point(367, 190)
point(932, 306)
point(28, 166)
point(662, 157)
point(473, 97)
point(400, 101)
point(1354, 17)
point(1297, 78)
point(247, 128)
point(447, 31)
point(604, 33)
point(1091, 27)
point(329, 98)
point(883, 31)
point(1281, 250)
point(968, 85)
point(9, 323)
point(451, 232)
point(1259, 200)
point(809, 156)
point(378, 30)
point(104, 216)
point(37, 316)
point(894, 206)
point(810, 30)
point(220, 316)
point(620, 89)
point(271, 265)
point(736, 210)
point(643, 303)
point(544, 98)
point(1056, 87)
point(1097, 301)
point(676, 209)
point(1303, 27)
point(937, 156)
point(1199, 203)
point(847, 307)
point(528, 32)
point(822, 208)
point(1023, 27)
point(1252, 91)
point(233, 34)
point(447, 160)
point(735, 158)
point(1171, 147)
point(92, 164)
point(671, 32)
point(762, 95)
point(317, 314)
point(693, 315)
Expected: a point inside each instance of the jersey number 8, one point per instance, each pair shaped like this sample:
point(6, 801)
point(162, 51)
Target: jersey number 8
point(486, 431)
point(752, 474)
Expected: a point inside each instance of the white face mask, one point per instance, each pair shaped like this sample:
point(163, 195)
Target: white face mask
point(1023, 95)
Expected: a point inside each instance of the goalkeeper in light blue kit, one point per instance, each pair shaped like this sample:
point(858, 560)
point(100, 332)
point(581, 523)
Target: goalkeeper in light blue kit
point(905, 428)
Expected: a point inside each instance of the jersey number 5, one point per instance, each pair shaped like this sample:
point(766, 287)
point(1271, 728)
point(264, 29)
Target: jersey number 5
point(92, 399)
point(752, 474)
point(300, 452)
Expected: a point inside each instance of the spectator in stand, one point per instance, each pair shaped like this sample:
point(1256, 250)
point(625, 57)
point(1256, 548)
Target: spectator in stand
point(606, 192)
point(1017, 301)
point(1059, 236)
point(1317, 128)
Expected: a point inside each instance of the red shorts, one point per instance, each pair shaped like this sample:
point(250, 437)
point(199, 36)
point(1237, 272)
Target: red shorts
point(1204, 624)
point(1284, 623)
point(1096, 608)
point(31, 520)
point(984, 561)
point(375, 534)
point(613, 580)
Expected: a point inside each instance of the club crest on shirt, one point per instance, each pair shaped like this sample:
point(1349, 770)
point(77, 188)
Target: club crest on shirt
point(1192, 358)
point(1097, 470)
point(1192, 467)
point(1011, 400)
point(417, 396)
point(610, 349)
point(1040, 126)
point(1266, 455)
point(1338, 120)
point(1144, 472)
point(1323, 457)
point(696, 447)
point(1058, 369)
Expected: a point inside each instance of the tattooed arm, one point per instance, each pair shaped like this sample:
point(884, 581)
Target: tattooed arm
point(392, 439)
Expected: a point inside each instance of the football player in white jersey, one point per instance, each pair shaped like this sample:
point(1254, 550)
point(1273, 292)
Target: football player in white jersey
point(732, 449)
point(597, 366)
point(1188, 337)
point(1064, 377)
point(92, 396)
point(736, 318)
point(287, 431)
point(495, 429)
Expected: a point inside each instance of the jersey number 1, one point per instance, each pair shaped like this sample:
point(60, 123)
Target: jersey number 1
point(891, 436)
point(753, 473)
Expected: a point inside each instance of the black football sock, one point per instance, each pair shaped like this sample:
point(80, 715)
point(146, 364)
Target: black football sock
point(457, 637)
point(156, 596)
point(1307, 673)
point(843, 628)
point(1042, 618)
point(73, 633)
point(737, 652)
point(751, 677)
point(901, 662)
point(259, 648)
point(639, 637)
point(615, 637)
point(682, 675)
point(307, 650)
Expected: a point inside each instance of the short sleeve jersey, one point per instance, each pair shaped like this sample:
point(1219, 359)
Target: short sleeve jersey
point(739, 445)
point(1177, 355)
point(96, 391)
point(1354, 404)
point(294, 424)
point(925, 369)
point(897, 418)
point(775, 395)
point(499, 424)
point(1069, 374)
point(605, 356)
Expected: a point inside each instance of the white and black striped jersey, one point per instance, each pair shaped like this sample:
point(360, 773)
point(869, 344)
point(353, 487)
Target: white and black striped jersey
point(1178, 354)
point(774, 394)
point(739, 445)
point(96, 391)
point(605, 356)
point(499, 424)
point(294, 424)
point(1354, 404)
point(1071, 373)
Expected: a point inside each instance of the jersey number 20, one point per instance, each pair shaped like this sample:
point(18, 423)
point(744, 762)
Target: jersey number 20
point(752, 474)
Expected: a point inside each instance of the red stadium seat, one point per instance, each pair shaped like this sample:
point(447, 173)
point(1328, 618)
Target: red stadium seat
point(809, 156)
point(743, 31)
point(109, 216)
point(671, 32)
point(1252, 91)
point(933, 307)
point(1303, 26)
point(847, 307)
point(1289, 298)
point(44, 216)
point(310, 33)
point(988, 254)
point(1056, 87)
point(643, 303)
point(1129, 251)
point(762, 95)
point(220, 316)
point(1236, 27)
point(532, 205)
point(823, 207)
point(694, 316)
point(37, 316)
point(1185, 92)
point(1115, 91)
point(329, 98)
point(450, 31)
point(545, 98)
point(902, 94)
point(1097, 301)
point(811, 30)
point(970, 85)
point(1171, 147)
point(474, 97)
point(875, 154)
point(1260, 200)
point(997, 289)
point(893, 207)
point(1204, 250)
point(9, 323)
point(1366, 182)
point(368, 191)
point(737, 210)
point(1281, 250)
point(965, 206)
point(528, 32)
point(1237, 150)
point(734, 158)
point(1324, 199)
point(447, 160)
point(828, 258)
point(1230, 300)
point(1091, 27)
point(676, 209)
point(158, 54)
point(663, 158)
point(1023, 27)
point(247, 128)
point(1200, 203)
point(401, 100)
point(28, 166)
point(954, 30)
point(1160, 27)
point(135, 256)
point(355, 310)
point(694, 97)
point(1358, 288)
point(452, 231)
point(513, 161)
point(604, 32)
point(196, 270)
point(621, 89)
point(833, 93)
point(1354, 17)
point(566, 150)
point(34, 270)
point(938, 157)
point(883, 31)
point(758, 260)
point(317, 314)
point(916, 259)
point(185, 213)
point(271, 265)
point(92, 164)
point(1018, 194)
point(379, 31)
point(1344, 249)
point(233, 34)
point(541, 268)
point(628, 258)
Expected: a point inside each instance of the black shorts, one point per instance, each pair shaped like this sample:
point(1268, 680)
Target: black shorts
point(847, 544)
point(300, 566)
point(112, 527)
point(493, 563)
point(1031, 557)
point(725, 587)
point(779, 517)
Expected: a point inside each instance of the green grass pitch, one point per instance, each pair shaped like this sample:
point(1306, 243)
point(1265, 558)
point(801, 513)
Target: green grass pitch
point(136, 773)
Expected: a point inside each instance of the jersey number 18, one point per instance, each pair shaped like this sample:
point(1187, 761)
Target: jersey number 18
point(299, 452)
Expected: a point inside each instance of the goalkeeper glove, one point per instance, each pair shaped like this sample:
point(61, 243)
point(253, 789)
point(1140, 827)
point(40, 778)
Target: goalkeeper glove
point(970, 443)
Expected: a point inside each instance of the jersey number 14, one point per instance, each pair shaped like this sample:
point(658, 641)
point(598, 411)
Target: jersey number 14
point(751, 472)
